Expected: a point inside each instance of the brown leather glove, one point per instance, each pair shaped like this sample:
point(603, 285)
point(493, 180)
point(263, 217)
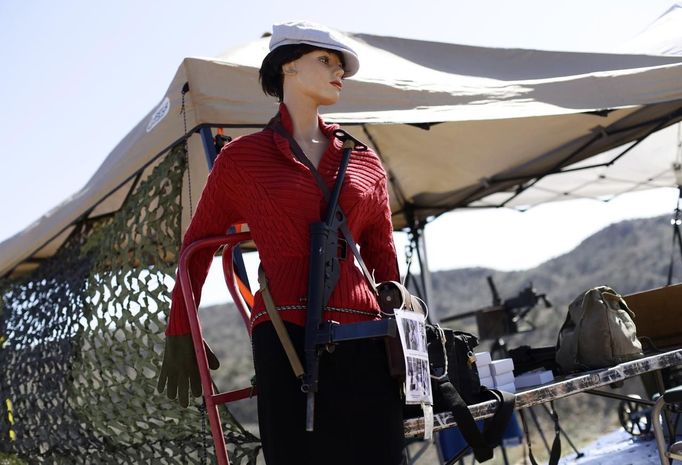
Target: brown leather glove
point(179, 369)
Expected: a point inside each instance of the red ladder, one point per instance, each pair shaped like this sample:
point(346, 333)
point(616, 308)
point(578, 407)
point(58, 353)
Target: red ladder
point(214, 399)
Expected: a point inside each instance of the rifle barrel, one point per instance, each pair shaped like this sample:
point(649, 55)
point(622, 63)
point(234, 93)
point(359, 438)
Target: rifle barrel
point(471, 313)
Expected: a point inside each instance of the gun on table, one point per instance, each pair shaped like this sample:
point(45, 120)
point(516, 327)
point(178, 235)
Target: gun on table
point(503, 318)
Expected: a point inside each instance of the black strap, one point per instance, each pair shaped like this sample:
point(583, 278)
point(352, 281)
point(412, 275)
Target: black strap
point(482, 443)
point(495, 426)
point(276, 125)
point(465, 422)
point(555, 453)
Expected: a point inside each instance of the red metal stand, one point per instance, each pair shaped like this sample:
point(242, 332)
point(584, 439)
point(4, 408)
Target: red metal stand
point(214, 399)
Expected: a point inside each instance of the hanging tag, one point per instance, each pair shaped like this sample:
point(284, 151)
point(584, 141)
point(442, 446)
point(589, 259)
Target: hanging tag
point(428, 421)
point(412, 330)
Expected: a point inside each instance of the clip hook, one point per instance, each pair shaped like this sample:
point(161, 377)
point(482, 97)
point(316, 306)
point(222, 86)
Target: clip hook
point(349, 142)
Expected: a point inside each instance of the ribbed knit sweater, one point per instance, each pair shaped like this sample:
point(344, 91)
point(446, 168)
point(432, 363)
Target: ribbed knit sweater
point(257, 180)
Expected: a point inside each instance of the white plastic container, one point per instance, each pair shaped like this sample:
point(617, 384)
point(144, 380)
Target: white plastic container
point(533, 378)
point(504, 378)
point(497, 367)
point(511, 387)
point(487, 381)
point(482, 358)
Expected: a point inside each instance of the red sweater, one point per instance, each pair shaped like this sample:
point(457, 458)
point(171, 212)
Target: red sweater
point(257, 180)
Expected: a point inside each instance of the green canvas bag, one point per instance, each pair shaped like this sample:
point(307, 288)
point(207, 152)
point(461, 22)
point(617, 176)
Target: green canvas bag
point(598, 332)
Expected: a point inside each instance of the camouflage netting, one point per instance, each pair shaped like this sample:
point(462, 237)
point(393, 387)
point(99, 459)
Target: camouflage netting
point(83, 342)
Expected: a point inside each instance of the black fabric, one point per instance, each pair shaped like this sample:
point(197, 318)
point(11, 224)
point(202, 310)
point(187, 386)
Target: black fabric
point(528, 358)
point(446, 394)
point(462, 370)
point(481, 442)
point(458, 385)
point(358, 418)
point(495, 426)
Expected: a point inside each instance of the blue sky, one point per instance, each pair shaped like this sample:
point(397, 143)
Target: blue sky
point(78, 75)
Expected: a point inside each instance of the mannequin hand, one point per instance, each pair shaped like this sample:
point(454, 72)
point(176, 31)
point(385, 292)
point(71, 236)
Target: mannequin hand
point(179, 370)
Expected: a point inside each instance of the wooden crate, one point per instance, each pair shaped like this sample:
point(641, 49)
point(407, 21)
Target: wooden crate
point(658, 315)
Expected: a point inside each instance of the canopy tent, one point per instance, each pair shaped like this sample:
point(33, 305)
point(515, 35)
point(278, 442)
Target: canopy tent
point(454, 126)
point(661, 37)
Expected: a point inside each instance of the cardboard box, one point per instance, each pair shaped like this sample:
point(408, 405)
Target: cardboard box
point(482, 358)
point(487, 381)
point(533, 378)
point(498, 367)
point(658, 315)
point(504, 378)
point(511, 387)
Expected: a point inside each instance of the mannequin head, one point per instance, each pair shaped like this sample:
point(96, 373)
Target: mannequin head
point(307, 60)
point(303, 70)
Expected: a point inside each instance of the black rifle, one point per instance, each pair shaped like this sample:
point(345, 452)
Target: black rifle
point(322, 278)
point(503, 318)
point(324, 272)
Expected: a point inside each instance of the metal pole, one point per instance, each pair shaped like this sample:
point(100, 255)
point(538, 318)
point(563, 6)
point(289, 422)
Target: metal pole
point(613, 395)
point(504, 453)
point(209, 145)
point(677, 236)
point(427, 285)
point(534, 417)
point(211, 154)
point(666, 414)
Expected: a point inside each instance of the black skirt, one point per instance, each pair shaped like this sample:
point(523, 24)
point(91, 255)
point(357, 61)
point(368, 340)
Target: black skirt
point(358, 407)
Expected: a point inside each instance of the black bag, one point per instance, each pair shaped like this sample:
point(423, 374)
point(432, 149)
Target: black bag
point(456, 349)
point(455, 384)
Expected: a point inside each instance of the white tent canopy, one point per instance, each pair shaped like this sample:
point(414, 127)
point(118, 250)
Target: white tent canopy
point(662, 37)
point(454, 125)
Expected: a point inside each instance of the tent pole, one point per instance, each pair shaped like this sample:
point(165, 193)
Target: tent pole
point(420, 240)
point(211, 155)
point(209, 145)
point(677, 236)
point(426, 273)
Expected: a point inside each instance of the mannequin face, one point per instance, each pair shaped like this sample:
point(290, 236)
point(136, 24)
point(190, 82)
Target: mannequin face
point(316, 76)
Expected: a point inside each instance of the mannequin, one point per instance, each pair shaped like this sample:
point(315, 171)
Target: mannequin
point(257, 180)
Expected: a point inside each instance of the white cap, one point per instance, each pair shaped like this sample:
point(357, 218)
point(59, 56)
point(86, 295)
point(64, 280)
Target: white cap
point(305, 32)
